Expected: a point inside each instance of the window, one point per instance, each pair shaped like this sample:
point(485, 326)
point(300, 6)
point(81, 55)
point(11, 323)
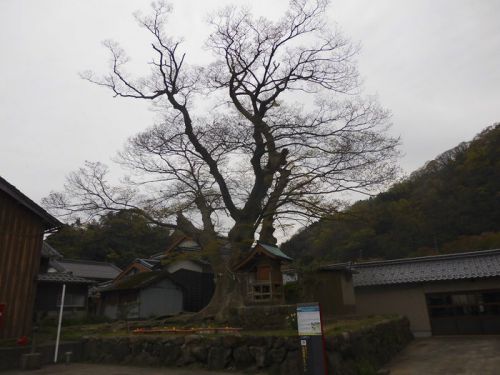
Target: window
point(72, 300)
point(464, 304)
point(262, 292)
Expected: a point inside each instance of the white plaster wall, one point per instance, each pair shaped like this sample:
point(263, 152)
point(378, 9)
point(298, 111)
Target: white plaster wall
point(162, 298)
point(184, 264)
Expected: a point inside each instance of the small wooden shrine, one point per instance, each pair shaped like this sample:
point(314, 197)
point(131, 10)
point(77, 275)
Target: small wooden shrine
point(262, 275)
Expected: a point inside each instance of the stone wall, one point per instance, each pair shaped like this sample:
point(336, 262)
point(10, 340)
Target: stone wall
point(261, 317)
point(348, 353)
point(369, 349)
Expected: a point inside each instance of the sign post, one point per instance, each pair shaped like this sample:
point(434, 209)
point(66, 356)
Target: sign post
point(56, 351)
point(312, 343)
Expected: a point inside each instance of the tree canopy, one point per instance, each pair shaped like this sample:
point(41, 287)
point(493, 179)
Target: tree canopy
point(117, 237)
point(267, 133)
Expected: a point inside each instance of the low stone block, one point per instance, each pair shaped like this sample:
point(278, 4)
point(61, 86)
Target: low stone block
point(31, 361)
point(259, 353)
point(218, 358)
point(242, 357)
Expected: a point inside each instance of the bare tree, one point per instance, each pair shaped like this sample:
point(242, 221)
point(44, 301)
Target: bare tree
point(287, 133)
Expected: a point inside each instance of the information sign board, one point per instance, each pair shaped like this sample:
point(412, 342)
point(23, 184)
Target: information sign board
point(309, 320)
point(311, 338)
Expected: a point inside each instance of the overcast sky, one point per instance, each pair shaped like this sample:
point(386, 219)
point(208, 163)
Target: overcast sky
point(434, 63)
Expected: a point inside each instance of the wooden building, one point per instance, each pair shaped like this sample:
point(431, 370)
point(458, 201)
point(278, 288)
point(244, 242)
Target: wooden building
point(183, 261)
point(142, 296)
point(332, 288)
point(261, 272)
point(23, 224)
point(138, 265)
point(49, 291)
point(79, 276)
point(448, 294)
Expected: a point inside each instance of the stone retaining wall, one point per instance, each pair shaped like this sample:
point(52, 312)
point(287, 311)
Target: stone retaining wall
point(367, 350)
point(348, 353)
point(261, 317)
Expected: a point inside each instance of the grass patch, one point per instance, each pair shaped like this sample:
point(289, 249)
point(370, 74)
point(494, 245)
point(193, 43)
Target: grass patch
point(354, 324)
point(276, 333)
point(364, 367)
point(47, 333)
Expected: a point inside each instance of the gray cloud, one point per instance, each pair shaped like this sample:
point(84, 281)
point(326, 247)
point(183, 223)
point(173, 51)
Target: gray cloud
point(435, 64)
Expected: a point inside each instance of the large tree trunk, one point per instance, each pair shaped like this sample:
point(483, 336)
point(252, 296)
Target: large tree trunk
point(228, 293)
point(227, 296)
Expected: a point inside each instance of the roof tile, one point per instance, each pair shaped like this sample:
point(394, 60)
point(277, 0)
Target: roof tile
point(470, 265)
point(90, 269)
point(59, 277)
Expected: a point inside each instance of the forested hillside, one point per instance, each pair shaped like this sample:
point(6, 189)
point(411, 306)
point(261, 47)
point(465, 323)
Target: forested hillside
point(118, 237)
point(452, 204)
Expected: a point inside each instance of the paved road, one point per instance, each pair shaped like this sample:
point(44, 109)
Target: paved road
point(91, 369)
point(454, 355)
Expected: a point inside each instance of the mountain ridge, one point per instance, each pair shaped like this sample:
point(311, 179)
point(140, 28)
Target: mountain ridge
point(450, 204)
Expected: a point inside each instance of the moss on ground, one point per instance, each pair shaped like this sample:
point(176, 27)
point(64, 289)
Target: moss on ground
point(47, 332)
point(355, 324)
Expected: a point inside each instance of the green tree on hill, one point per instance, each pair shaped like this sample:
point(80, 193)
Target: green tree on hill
point(451, 204)
point(117, 237)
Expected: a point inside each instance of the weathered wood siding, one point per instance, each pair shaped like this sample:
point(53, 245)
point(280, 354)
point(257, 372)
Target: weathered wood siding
point(21, 236)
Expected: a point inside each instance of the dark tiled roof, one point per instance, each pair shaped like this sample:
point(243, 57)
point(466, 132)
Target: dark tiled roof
point(157, 256)
point(58, 277)
point(138, 281)
point(54, 263)
point(274, 250)
point(49, 252)
point(184, 244)
point(49, 222)
point(470, 265)
point(260, 250)
point(90, 269)
point(101, 286)
point(149, 263)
